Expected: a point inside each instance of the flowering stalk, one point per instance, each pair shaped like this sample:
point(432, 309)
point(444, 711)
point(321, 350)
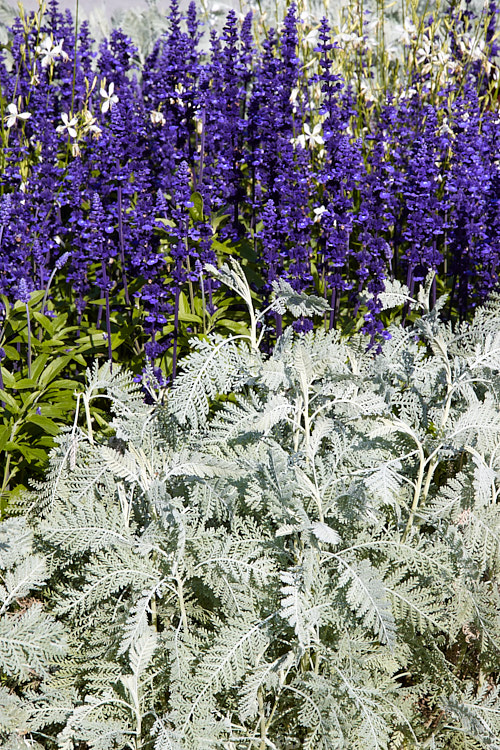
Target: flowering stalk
point(122, 245)
point(24, 297)
point(108, 318)
point(60, 262)
point(176, 325)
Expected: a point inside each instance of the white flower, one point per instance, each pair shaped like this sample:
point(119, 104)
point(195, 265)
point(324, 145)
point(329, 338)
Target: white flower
point(109, 97)
point(312, 137)
point(199, 124)
point(50, 51)
point(90, 124)
point(157, 118)
point(409, 32)
point(311, 38)
point(14, 115)
point(319, 211)
point(68, 125)
point(348, 38)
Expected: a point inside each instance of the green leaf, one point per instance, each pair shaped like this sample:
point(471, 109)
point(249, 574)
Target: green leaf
point(196, 211)
point(6, 304)
point(187, 317)
point(184, 307)
point(53, 369)
point(9, 379)
point(25, 383)
point(10, 401)
point(57, 411)
point(234, 325)
point(30, 454)
point(117, 339)
point(45, 322)
point(5, 431)
point(166, 222)
point(38, 366)
point(245, 250)
point(11, 352)
point(46, 424)
point(64, 384)
point(225, 248)
point(218, 218)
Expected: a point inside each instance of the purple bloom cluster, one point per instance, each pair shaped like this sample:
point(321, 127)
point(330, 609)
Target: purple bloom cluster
point(133, 170)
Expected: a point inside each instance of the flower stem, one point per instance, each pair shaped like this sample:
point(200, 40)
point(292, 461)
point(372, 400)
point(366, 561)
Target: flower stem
point(122, 245)
point(29, 340)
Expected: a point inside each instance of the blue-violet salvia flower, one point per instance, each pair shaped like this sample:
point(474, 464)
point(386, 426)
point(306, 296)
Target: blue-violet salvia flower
point(23, 294)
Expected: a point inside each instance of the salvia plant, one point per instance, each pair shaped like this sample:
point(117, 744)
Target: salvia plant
point(288, 550)
point(289, 153)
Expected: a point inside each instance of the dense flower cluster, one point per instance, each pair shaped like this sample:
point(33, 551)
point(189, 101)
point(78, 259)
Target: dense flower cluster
point(136, 170)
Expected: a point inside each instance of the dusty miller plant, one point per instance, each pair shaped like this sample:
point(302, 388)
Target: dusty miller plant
point(296, 550)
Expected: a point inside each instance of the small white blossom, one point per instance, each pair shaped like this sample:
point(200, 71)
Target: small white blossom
point(344, 38)
point(199, 125)
point(90, 124)
point(157, 118)
point(51, 51)
point(319, 211)
point(311, 38)
point(109, 97)
point(14, 115)
point(68, 125)
point(409, 32)
point(312, 137)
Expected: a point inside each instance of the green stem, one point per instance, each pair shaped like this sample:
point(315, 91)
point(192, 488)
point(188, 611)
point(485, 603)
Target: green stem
point(5, 483)
point(74, 58)
point(29, 340)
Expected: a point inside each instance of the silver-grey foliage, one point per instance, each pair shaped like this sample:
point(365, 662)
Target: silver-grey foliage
point(298, 550)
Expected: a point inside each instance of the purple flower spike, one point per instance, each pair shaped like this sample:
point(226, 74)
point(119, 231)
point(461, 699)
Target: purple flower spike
point(23, 294)
point(60, 262)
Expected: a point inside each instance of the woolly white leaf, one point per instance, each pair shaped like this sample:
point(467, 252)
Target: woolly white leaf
point(187, 464)
point(325, 533)
point(367, 597)
point(486, 353)
point(14, 713)
point(273, 374)
point(385, 482)
point(285, 298)
point(30, 640)
point(276, 410)
point(212, 368)
point(137, 621)
point(142, 651)
point(395, 294)
point(122, 465)
point(28, 575)
point(15, 541)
